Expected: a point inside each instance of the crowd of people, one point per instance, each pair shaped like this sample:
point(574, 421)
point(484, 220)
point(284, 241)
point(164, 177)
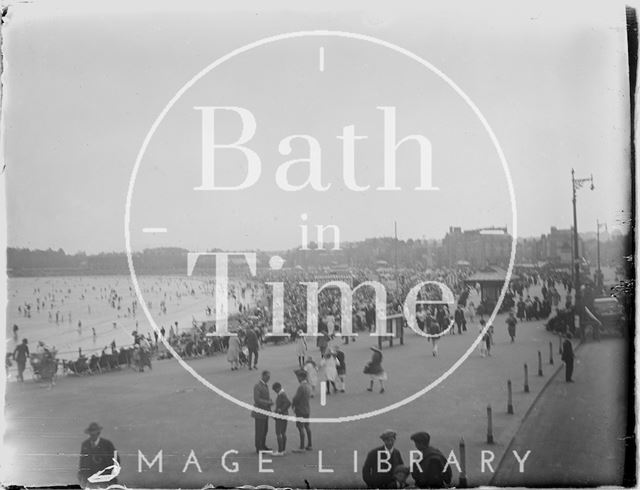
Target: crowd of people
point(253, 314)
point(329, 370)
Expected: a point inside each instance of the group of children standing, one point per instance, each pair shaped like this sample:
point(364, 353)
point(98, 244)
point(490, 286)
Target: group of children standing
point(332, 368)
point(301, 408)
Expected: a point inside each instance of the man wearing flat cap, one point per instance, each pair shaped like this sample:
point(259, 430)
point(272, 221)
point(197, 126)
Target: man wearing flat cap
point(429, 471)
point(378, 468)
point(96, 454)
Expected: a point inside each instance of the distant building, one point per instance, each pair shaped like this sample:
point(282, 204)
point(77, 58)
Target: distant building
point(558, 246)
point(481, 247)
point(530, 250)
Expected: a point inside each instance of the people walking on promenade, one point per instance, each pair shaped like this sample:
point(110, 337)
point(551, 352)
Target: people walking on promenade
point(487, 339)
point(323, 343)
point(329, 371)
point(342, 369)
point(375, 370)
point(20, 355)
point(302, 408)
point(433, 329)
point(471, 312)
point(520, 309)
point(511, 326)
point(458, 317)
point(253, 344)
point(482, 346)
point(567, 358)
point(233, 352)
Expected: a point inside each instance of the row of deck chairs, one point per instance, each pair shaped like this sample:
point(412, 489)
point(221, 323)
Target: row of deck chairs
point(187, 348)
point(99, 364)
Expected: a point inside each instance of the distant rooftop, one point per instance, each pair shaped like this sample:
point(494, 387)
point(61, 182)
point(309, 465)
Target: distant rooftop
point(488, 274)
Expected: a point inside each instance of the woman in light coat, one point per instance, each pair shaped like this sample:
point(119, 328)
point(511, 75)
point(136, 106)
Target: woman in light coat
point(233, 353)
point(471, 312)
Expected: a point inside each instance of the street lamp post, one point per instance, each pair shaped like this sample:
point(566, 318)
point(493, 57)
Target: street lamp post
point(598, 235)
point(577, 184)
point(395, 265)
point(599, 276)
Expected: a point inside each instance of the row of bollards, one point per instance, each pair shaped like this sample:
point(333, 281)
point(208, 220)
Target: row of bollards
point(463, 474)
point(510, 410)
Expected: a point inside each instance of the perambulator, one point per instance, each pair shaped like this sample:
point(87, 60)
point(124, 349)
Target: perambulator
point(243, 356)
point(44, 365)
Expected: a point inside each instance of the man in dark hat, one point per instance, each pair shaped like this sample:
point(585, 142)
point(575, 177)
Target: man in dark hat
point(253, 344)
point(302, 409)
point(96, 454)
point(429, 471)
point(567, 358)
point(262, 400)
point(461, 322)
point(377, 471)
point(341, 368)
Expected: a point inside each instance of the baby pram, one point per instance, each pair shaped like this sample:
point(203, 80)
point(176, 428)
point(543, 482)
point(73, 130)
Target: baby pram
point(44, 365)
point(243, 356)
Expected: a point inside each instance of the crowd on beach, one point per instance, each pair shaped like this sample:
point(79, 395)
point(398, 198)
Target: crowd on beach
point(252, 316)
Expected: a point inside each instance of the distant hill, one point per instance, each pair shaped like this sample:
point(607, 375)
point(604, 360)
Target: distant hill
point(23, 262)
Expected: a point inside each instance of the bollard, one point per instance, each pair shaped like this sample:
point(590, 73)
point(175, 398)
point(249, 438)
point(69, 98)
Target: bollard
point(462, 480)
point(540, 363)
point(489, 426)
point(510, 399)
point(551, 353)
point(526, 379)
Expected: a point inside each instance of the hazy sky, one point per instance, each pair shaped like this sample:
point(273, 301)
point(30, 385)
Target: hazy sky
point(83, 87)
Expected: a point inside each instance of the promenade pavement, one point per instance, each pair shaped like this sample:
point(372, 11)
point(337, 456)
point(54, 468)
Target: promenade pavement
point(167, 409)
point(576, 431)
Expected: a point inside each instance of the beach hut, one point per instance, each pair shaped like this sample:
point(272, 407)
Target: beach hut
point(491, 280)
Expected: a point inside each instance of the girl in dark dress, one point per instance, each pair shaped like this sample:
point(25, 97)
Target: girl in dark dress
point(375, 370)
